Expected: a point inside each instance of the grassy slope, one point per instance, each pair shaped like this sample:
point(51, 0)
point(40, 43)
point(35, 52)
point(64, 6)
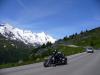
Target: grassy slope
point(90, 38)
point(70, 50)
point(86, 38)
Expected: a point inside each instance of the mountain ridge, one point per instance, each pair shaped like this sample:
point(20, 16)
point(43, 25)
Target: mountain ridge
point(25, 36)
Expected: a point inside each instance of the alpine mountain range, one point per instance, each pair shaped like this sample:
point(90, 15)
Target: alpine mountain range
point(25, 36)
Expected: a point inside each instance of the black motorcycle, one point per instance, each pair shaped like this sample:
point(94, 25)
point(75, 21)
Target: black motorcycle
point(52, 61)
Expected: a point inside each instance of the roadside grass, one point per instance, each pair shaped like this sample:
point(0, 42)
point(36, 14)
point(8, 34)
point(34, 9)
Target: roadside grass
point(13, 64)
point(8, 65)
point(70, 50)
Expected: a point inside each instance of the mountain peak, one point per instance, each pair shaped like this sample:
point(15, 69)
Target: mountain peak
point(26, 36)
point(5, 24)
point(1, 24)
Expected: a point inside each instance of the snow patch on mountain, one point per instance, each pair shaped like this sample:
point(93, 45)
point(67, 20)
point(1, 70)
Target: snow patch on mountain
point(25, 36)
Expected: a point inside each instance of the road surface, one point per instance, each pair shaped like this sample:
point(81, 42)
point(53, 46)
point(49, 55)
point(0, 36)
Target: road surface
point(79, 64)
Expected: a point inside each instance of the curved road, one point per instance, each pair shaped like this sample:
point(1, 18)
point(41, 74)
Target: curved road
point(79, 64)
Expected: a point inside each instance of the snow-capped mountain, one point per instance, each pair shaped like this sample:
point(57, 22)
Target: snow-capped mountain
point(25, 36)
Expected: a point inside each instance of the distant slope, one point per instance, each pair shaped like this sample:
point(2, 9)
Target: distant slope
point(86, 38)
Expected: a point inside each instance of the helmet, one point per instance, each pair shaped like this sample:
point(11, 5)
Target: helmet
point(59, 53)
point(55, 50)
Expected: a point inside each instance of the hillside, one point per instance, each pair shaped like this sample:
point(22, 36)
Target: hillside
point(84, 38)
point(13, 50)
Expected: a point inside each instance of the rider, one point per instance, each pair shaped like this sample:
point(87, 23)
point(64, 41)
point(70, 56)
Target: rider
point(54, 52)
point(57, 55)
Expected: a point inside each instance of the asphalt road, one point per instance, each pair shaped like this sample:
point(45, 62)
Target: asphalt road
point(79, 64)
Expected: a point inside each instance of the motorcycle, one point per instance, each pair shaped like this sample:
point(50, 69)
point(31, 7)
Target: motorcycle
point(51, 61)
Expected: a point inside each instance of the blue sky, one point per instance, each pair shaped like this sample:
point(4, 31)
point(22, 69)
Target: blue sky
point(55, 17)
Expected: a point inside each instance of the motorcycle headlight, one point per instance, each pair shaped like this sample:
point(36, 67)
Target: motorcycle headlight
point(63, 59)
point(53, 58)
